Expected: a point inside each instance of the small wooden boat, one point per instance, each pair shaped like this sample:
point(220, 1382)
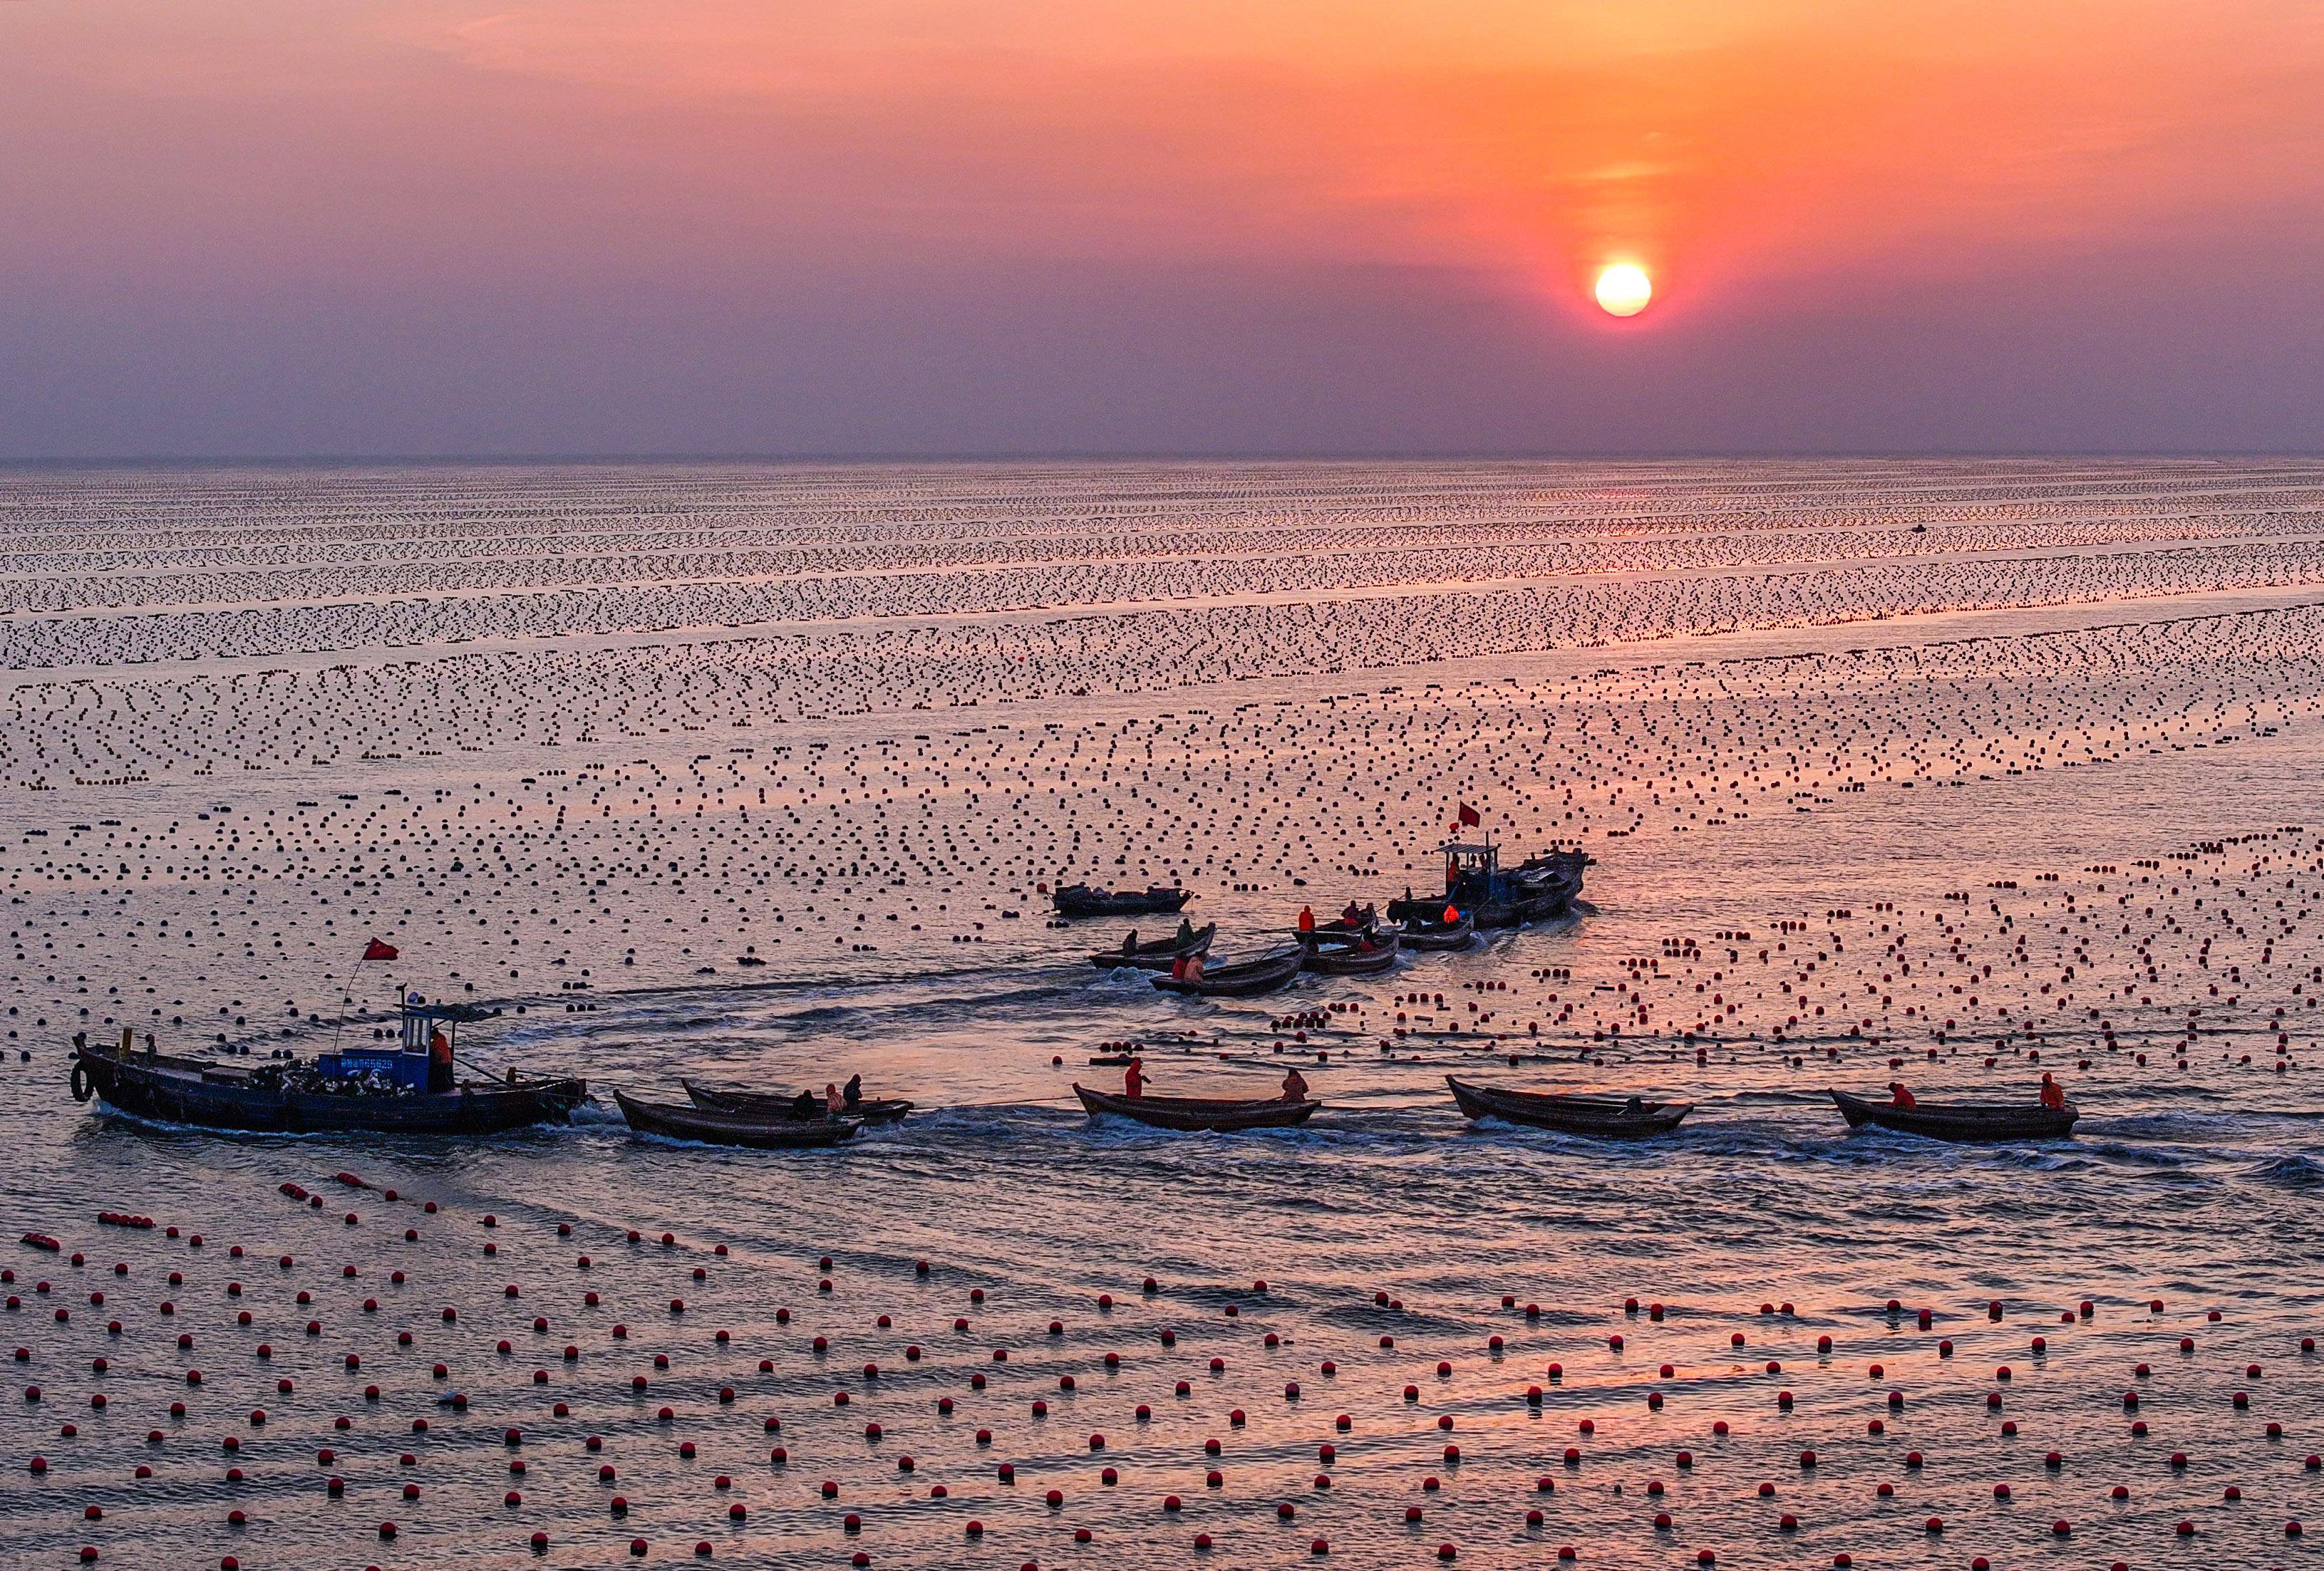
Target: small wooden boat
point(1350, 957)
point(1192, 1112)
point(1081, 900)
point(1961, 1120)
point(1422, 932)
point(673, 1122)
point(1366, 920)
point(1239, 978)
point(1611, 1118)
point(771, 1105)
point(1157, 955)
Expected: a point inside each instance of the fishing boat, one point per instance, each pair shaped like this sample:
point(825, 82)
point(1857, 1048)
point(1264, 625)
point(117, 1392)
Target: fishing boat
point(1193, 1113)
point(1540, 889)
point(1960, 1120)
point(1361, 955)
point(772, 1105)
point(673, 1122)
point(380, 1088)
point(1237, 978)
point(1155, 955)
point(1611, 1117)
point(1434, 933)
point(1081, 900)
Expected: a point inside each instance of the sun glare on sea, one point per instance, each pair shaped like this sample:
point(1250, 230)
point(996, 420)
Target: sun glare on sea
point(1623, 290)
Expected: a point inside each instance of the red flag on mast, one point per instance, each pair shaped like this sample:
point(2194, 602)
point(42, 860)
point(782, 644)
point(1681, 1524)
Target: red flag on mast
point(1470, 818)
point(376, 951)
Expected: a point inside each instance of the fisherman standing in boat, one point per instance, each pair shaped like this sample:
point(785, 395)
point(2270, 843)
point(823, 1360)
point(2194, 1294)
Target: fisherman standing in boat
point(1306, 919)
point(2053, 1095)
point(1185, 932)
point(439, 1059)
point(852, 1093)
point(1133, 1079)
point(1294, 1086)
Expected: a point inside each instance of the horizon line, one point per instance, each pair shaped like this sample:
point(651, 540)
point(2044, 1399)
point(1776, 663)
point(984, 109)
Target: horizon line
point(1141, 456)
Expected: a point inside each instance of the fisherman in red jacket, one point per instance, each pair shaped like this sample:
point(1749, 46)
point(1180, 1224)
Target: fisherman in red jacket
point(1133, 1079)
point(1899, 1096)
point(2053, 1095)
point(1306, 919)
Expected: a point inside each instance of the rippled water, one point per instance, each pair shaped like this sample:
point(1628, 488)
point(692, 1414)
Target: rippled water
point(2063, 742)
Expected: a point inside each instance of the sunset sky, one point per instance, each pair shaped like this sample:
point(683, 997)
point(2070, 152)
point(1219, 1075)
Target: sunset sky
point(954, 226)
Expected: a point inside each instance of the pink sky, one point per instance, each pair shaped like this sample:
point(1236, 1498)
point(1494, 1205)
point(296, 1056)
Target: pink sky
point(583, 225)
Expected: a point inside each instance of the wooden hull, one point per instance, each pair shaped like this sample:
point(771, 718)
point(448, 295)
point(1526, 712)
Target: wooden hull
point(1494, 913)
point(676, 1123)
point(1604, 1117)
point(1080, 902)
point(1351, 958)
point(1156, 956)
point(1243, 980)
point(763, 1105)
point(1439, 935)
point(1961, 1121)
point(1190, 1113)
point(181, 1090)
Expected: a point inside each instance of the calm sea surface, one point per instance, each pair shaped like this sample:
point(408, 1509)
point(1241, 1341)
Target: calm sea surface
point(1950, 772)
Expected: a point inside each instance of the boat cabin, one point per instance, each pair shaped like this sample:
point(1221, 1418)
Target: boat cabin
point(403, 1061)
point(1473, 867)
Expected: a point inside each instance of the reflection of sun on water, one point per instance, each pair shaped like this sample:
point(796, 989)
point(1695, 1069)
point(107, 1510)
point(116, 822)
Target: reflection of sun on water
point(1623, 290)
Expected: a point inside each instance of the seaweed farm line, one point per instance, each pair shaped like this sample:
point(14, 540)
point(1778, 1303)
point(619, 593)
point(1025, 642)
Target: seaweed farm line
point(1946, 772)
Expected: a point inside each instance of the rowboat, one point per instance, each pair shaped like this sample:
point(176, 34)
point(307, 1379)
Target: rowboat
point(1350, 957)
point(1192, 1112)
point(1611, 1117)
point(373, 1089)
point(1081, 900)
point(1239, 978)
point(1435, 933)
point(1155, 955)
point(1365, 921)
point(770, 1105)
point(673, 1122)
point(1961, 1120)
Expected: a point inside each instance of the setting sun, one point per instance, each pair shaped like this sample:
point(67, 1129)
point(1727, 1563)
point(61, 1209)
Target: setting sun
point(1623, 290)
